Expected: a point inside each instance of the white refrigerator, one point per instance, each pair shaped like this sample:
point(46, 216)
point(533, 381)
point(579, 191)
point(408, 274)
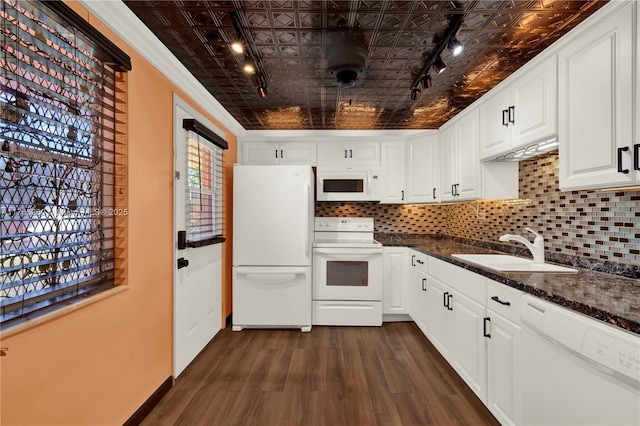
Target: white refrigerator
point(273, 210)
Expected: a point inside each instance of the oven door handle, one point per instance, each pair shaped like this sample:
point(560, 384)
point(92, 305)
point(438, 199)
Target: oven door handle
point(269, 271)
point(348, 251)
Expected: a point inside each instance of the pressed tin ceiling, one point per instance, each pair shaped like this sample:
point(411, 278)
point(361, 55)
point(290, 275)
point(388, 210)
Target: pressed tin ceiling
point(290, 39)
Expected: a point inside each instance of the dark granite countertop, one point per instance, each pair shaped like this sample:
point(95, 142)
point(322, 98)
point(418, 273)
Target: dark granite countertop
point(610, 298)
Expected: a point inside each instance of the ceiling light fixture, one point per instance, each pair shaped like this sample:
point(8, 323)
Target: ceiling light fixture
point(346, 53)
point(455, 46)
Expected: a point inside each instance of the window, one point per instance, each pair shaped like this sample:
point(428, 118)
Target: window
point(59, 159)
point(204, 185)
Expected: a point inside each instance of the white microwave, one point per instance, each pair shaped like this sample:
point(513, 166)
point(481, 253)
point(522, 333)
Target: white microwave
point(348, 183)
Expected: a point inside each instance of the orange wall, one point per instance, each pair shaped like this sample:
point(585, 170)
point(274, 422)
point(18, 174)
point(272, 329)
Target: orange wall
point(97, 365)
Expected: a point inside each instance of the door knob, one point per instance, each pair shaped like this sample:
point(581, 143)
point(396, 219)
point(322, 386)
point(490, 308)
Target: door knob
point(182, 263)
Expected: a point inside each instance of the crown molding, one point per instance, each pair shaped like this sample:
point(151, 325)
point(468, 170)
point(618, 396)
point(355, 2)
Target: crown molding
point(126, 25)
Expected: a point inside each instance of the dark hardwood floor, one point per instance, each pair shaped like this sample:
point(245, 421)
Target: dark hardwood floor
point(389, 375)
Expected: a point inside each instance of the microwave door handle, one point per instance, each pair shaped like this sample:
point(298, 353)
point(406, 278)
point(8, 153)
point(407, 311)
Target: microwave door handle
point(369, 182)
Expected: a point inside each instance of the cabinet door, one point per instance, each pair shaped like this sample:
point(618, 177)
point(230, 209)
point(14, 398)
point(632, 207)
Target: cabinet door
point(423, 173)
point(448, 165)
point(468, 344)
point(395, 283)
point(534, 105)
point(467, 157)
point(503, 370)
point(332, 153)
point(393, 172)
point(596, 104)
point(298, 153)
point(413, 286)
point(260, 153)
point(438, 315)
point(364, 154)
point(495, 133)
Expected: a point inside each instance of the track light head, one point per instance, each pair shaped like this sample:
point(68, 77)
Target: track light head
point(415, 93)
point(248, 66)
point(426, 81)
point(455, 46)
point(237, 47)
point(439, 66)
point(262, 91)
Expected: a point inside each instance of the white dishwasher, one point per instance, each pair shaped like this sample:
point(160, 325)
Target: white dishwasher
point(576, 370)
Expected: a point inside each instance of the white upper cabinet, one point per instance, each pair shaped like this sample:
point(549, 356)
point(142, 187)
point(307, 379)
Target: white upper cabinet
point(292, 153)
point(460, 173)
point(596, 120)
point(423, 171)
point(393, 172)
point(495, 133)
point(521, 113)
point(352, 153)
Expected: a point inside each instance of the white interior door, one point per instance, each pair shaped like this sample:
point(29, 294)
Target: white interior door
point(197, 287)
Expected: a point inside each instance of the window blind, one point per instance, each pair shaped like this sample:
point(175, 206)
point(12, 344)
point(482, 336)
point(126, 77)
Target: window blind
point(58, 162)
point(204, 185)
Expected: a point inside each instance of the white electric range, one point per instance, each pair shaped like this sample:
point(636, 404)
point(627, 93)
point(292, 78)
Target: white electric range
point(347, 272)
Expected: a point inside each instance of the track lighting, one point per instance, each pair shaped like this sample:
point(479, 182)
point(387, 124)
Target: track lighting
point(455, 46)
point(439, 65)
point(252, 66)
point(415, 93)
point(434, 60)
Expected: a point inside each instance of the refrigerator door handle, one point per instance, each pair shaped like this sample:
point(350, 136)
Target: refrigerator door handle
point(307, 191)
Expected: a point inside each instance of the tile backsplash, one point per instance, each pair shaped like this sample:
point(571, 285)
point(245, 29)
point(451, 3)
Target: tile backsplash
point(601, 225)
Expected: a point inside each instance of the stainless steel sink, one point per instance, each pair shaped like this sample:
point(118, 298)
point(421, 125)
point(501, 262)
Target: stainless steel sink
point(506, 263)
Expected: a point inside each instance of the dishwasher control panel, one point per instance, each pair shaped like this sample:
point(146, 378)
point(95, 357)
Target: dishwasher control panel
point(613, 352)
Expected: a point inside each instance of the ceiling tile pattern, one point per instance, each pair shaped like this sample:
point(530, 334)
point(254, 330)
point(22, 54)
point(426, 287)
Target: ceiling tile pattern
point(290, 36)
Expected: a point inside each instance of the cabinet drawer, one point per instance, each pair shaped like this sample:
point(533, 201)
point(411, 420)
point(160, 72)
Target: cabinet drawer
point(419, 260)
point(504, 300)
point(468, 283)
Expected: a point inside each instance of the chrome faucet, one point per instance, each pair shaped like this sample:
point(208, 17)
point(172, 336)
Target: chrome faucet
point(536, 249)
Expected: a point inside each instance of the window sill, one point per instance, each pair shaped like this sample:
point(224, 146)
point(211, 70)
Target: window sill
point(74, 306)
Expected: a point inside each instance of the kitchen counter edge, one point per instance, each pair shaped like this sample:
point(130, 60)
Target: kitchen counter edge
point(519, 281)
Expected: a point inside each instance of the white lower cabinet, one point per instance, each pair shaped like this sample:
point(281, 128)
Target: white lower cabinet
point(436, 305)
point(395, 287)
point(474, 323)
point(468, 343)
point(455, 328)
point(418, 289)
point(503, 369)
